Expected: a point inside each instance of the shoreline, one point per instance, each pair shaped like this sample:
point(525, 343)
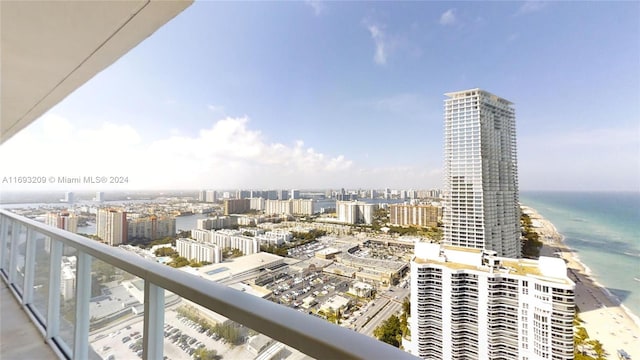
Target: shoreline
point(603, 315)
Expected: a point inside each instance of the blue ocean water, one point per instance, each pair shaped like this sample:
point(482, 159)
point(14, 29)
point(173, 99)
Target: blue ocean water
point(604, 229)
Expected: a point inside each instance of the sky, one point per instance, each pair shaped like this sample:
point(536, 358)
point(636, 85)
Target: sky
point(310, 94)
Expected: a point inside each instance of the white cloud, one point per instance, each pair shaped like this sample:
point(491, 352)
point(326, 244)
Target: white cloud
point(216, 108)
point(448, 17)
point(531, 6)
point(317, 6)
point(228, 154)
point(378, 36)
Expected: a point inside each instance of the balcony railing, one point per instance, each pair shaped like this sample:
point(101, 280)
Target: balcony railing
point(37, 279)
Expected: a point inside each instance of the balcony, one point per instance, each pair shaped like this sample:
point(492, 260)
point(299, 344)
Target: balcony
point(65, 302)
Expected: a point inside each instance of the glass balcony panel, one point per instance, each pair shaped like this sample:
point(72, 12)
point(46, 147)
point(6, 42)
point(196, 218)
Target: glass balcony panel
point(6, 252)
point(116, 313)
point(42, 245)
point(191, 330)
point(21, 249)
point(68, 295)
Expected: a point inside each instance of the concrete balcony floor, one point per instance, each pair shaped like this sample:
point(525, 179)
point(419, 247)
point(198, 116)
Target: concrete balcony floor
point(19, 338)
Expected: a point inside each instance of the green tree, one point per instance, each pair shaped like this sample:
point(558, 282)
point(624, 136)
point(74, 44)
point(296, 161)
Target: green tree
point(599, 350)
point(406, 306)
point(166, 240)
point(205, 354)
point(531, 244)
point(389, 330)
point(179, 262)
point(166, 251)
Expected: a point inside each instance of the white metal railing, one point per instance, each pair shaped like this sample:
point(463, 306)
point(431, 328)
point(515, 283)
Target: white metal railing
point(310, 335)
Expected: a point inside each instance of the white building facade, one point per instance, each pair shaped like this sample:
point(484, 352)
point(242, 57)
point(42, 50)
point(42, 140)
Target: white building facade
point(111, 226)
point(355, 212)
point(151, 228)
point(481, 185)
point(288, 207)
point(63, 220)
point(471, 304)
point(200, 251)
point(277, 237)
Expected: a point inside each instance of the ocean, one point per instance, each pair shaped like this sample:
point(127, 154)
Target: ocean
point(604, 230)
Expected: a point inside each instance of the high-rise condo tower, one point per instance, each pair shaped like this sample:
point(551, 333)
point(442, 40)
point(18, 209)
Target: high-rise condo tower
point(472, 297)
point(481, 197)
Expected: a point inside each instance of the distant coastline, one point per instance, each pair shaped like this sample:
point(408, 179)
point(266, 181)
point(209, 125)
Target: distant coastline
point(604, 316)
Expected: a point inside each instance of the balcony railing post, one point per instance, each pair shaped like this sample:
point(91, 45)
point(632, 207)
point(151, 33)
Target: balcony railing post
point(13, 261)
point(55, 267)
point(153, 343)
point(4, 230)
point(29, 267)
point(83, 295)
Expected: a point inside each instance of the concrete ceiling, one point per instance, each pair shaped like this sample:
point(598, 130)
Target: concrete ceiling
point(50, 48)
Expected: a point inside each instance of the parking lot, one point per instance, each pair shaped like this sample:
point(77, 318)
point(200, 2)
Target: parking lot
point(181, 339)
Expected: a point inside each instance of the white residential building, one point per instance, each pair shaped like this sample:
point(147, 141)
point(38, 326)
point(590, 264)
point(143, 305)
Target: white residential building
point(68, 277)
point(151, 228)
point(471, 304)
point(472, 298)
point(208, 196)
point(257, 203)
point(355, 212)
point(199, 251)
point(277, 237)
point(111, 226)
point(289, 207)
point(202, 235)
point(216, 222)
point(481, 186)
point(63, 220)
point(414, 215)
point(235, 240)
point(69, 197)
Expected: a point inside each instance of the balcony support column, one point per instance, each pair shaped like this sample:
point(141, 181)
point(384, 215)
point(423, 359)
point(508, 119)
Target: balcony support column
point(13, 261)
point(4, 230)
point(29, 267)
point(55, 267)
point(83, 295)
point(153, 343)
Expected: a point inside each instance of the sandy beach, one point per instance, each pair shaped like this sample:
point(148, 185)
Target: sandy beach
point(604, 318)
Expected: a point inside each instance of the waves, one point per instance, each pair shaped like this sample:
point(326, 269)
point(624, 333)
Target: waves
point(604, 231)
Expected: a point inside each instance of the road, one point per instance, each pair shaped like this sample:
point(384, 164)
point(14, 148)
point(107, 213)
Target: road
point(386, 304)
point(389, 309)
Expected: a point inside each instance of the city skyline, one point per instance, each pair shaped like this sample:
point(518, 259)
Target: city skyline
point(353, 99)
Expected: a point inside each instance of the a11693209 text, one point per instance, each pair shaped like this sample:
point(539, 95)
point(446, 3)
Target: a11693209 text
point(98, 179)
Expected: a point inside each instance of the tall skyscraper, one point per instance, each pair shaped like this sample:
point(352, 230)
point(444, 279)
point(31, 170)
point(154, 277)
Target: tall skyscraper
point(481, 186)
point(69, 197)
point(294, 194)
point(111, 226)
point(471, 297)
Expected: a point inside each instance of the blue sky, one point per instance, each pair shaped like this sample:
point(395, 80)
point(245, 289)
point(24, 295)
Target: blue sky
point(350, 94)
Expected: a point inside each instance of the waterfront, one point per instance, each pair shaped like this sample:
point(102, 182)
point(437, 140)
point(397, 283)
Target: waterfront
point(602, 315)
point(603, 230)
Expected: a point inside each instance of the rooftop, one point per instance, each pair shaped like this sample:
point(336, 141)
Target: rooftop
point(457, 258)
point(236, 266)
